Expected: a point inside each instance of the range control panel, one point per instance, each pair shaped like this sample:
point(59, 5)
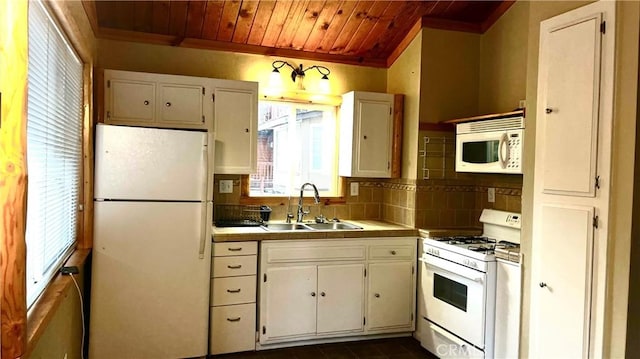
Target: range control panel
point(513, 220)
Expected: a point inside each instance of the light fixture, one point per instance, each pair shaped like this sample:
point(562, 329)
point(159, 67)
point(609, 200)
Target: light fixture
point(299, 73)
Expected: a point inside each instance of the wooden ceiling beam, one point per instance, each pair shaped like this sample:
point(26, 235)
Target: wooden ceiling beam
point(169, 40)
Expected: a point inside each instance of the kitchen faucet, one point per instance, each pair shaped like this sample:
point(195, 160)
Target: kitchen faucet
point(316, 197)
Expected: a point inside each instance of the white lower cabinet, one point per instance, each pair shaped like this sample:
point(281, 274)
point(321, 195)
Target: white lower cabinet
point(340, 298)
point(310, 290)
point(391, 295)
point(289, 301)
point(233, 298)
point(233, 328)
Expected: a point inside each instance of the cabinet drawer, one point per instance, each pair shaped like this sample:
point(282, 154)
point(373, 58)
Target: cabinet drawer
point(233, 290)
point(233, 329)
point(234, 266)
point(321, 253)
point(391, 252)
point(235, 249)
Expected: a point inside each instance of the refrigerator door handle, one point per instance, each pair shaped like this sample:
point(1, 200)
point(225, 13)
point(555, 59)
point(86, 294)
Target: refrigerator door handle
point(206, 230)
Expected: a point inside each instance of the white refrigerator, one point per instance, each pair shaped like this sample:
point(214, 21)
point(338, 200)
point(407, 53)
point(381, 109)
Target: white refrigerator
point(152, 244)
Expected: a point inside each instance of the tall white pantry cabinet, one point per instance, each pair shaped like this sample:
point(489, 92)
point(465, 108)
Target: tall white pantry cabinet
point(572, 181)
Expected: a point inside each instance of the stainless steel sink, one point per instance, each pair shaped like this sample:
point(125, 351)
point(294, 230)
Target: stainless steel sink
point(333, 226)
point(286, 227)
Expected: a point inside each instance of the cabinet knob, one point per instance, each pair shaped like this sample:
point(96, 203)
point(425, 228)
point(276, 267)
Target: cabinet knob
point(365, 137)
point(146, 103)
point(393, 253)
point(246, 130)
point(168, 104)
point(377, 295)
point(322, 294)
point(548, 110)
point(542, 284)
point(313, 294)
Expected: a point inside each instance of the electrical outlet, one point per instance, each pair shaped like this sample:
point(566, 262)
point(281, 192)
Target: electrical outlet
point(65, 356)
point(522, 104)
point(226, 186)
point(355, 186)
point(491, 195)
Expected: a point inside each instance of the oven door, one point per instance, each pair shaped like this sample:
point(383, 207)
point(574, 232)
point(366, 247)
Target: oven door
point(455, 298)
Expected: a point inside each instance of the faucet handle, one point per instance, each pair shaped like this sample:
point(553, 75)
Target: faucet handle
point(321, 219)
point(289, 217)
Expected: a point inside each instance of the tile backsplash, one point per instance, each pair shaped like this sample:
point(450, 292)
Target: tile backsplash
point(447, 203)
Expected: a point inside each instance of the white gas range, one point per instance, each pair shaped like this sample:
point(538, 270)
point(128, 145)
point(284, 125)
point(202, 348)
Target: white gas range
point(459, 285)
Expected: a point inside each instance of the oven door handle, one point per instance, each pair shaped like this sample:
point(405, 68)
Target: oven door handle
point(442, 265)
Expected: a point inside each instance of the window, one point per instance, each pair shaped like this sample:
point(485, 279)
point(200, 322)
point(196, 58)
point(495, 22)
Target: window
point(54, 149)
point(297, 143)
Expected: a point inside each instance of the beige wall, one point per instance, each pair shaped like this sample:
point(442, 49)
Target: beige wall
point(624, 141)
point(121, 55)
point(403, 77)
point(450, 75)
point(503, 61)
point(64, 332)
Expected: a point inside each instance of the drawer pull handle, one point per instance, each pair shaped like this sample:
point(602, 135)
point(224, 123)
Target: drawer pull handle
point(393, 253)
point(235, 267)
point(233, 290)
point(377, 295)
point(235, 249)
point(233, 319)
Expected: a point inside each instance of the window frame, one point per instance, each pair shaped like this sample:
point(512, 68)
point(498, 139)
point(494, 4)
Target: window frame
point(80, 239)
point(338, 181)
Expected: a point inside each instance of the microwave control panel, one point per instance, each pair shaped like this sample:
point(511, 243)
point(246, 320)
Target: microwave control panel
point(515, 150)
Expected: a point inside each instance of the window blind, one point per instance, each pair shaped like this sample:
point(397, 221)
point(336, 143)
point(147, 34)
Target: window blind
point(54, 148)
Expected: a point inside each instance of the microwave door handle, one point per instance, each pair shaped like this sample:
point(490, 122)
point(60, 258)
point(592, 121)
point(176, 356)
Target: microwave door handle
point(504, 143)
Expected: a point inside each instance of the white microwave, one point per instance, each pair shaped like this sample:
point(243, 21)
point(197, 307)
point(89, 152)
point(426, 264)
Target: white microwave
point(490, 146)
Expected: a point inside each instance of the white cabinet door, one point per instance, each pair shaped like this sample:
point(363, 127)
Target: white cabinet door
point(236, 125)
point(130, 100)
point(390, 295)
point(561, 277)
point(375, 134)
point(289, 302)
point(157, 100)
point(569, 123)
point(366, 134)
point(181, 104)
point(341, 298)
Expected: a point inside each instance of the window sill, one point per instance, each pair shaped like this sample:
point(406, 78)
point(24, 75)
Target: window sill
point(45, 307)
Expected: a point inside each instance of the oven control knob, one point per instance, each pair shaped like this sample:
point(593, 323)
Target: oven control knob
point(473, 264)
point(465, 262)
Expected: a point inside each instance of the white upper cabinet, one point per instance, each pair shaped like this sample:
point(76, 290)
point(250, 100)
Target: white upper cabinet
point(570, 76)
point(366, 134)
point(235, 126)
point(157, 100)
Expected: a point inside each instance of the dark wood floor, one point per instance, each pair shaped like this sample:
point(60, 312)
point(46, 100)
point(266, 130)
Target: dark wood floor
point(397, 348)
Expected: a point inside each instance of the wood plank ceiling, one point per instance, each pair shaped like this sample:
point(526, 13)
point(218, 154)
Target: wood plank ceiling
point(357, 32)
